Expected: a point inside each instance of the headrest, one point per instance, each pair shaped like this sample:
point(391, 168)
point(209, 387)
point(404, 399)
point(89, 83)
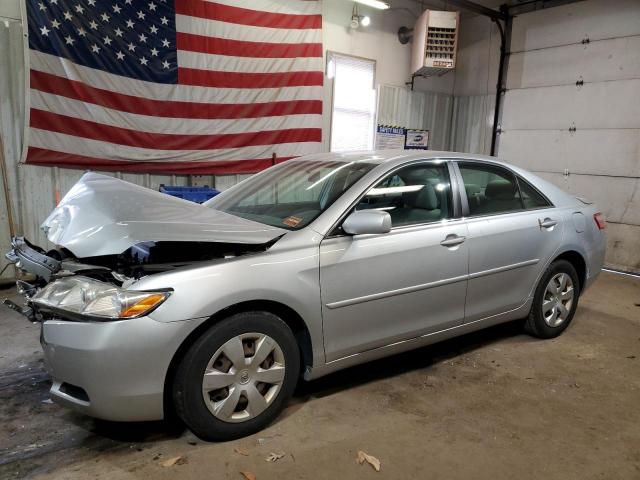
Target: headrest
point(472, 189)
point(424, 198)
point(500, 190)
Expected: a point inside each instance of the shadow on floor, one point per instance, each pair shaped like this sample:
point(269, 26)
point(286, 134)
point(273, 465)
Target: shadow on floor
point(405, 362)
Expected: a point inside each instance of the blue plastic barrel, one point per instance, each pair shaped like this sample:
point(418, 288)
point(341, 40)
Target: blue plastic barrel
point(193, 194)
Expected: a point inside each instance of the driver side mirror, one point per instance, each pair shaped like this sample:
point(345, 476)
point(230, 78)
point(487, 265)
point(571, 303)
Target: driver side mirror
point(363, 222)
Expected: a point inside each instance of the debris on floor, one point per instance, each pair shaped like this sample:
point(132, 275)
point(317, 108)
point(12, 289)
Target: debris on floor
point(274, 456)
point(370, 459)
point(241, 451)
point(249, 475)
point(175, 461)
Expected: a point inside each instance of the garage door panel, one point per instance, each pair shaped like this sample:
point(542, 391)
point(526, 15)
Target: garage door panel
point(623, 251)
point(547, 108)
point(598, 152)
point(606, 60)
point(571, 23)
point(600, 105)
point(534, 149)
point(613, 195)
point(604, 152)
point(617, 197)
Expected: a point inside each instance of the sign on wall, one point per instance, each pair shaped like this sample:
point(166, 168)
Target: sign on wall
point(417, 140)
point(398, 138)
point(389, 137)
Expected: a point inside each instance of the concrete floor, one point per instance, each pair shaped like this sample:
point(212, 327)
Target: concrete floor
point(494, 404)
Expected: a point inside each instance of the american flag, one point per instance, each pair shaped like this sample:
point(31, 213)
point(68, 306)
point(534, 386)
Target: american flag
point(191, 86)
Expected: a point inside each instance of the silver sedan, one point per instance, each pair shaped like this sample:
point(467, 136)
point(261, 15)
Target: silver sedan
point(152, 305)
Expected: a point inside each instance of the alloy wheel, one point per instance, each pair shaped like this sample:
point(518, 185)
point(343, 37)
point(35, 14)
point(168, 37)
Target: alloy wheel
point(243, 377)
point(558, 299)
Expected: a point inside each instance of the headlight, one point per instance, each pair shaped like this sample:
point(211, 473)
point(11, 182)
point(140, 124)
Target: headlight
point(85, 296)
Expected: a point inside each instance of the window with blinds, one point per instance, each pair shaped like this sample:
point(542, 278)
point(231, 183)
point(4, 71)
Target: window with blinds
point(354, 102)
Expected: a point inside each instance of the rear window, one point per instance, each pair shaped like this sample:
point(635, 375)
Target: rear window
point(531, 197)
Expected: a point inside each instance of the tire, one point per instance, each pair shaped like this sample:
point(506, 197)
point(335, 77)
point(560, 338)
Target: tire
point(548, 319)
point(244, 337)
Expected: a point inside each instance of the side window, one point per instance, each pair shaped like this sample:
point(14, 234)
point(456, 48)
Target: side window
point(490, 189)
point(412, 195)
point(530, 196)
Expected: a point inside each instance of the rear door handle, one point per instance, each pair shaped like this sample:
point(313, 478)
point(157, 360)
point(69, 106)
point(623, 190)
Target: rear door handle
point(452, 240)
point(547, 223)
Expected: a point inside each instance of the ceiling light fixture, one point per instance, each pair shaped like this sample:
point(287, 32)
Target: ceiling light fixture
point(374, 4)
point(365, 21)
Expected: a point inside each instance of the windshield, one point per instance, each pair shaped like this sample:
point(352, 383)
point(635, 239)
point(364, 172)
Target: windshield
point(291, 195)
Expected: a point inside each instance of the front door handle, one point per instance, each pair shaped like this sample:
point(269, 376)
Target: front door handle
point(452, 240)
point(547, 223)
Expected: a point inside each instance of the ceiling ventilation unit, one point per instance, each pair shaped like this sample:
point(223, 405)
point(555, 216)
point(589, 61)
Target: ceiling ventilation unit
point(435, 42)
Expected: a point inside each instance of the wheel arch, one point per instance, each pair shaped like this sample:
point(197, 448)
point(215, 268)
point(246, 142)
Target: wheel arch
point(577, 260)
point(292, 318)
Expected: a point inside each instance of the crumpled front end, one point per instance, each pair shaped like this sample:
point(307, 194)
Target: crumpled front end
point(116, 232)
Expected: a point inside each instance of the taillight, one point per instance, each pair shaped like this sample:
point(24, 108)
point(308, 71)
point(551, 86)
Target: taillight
point(599, 219)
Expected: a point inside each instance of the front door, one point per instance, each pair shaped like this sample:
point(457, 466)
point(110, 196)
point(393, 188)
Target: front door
point(380, 289)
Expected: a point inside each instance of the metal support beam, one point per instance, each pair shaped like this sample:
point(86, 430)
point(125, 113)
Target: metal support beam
point(533, 5)
point(505, 47)
point(480, 9)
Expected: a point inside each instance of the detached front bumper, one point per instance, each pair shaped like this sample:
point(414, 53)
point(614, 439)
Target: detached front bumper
point(112, 370)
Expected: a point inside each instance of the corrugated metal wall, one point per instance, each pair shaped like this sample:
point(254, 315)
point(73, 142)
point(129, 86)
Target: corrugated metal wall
point(462, 124)
point(421, 110)
point(472, 124)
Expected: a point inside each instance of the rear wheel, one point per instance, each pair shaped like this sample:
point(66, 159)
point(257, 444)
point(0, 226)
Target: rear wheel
point(555, 301)
point(237, 377)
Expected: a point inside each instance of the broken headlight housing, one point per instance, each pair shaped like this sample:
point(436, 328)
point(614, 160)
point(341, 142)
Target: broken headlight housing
point(87, 297)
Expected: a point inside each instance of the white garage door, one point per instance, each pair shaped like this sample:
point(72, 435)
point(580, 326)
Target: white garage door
point(572, 110)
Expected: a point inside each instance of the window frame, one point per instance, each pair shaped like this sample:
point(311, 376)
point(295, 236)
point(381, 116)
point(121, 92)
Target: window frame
point(466, 213)
point(457, 215)
point(330, 55)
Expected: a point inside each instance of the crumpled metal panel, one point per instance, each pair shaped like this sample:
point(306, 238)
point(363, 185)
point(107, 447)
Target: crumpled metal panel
point(102, 215)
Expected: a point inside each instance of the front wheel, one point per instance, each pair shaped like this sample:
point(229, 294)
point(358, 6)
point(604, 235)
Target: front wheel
point(555, 301)
point(236, 378)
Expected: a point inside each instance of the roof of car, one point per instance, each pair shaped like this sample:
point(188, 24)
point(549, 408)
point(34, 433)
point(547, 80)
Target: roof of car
point(393, 156)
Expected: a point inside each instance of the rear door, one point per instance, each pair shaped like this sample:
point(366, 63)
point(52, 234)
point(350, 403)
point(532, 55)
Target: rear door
point(513, 232)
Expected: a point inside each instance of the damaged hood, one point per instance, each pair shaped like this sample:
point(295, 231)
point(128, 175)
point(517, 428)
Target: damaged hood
point(102, 215)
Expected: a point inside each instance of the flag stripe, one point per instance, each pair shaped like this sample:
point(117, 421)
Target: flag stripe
point(162, 92)
point(244, 33)
point(46, 157)
point(237, 48)
point(97, 148)
point(90, 112)
point(76, 90)
point(167, 141)
point(244, 16)
point(208, 78)
point(225, 63)
point(294, 7)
